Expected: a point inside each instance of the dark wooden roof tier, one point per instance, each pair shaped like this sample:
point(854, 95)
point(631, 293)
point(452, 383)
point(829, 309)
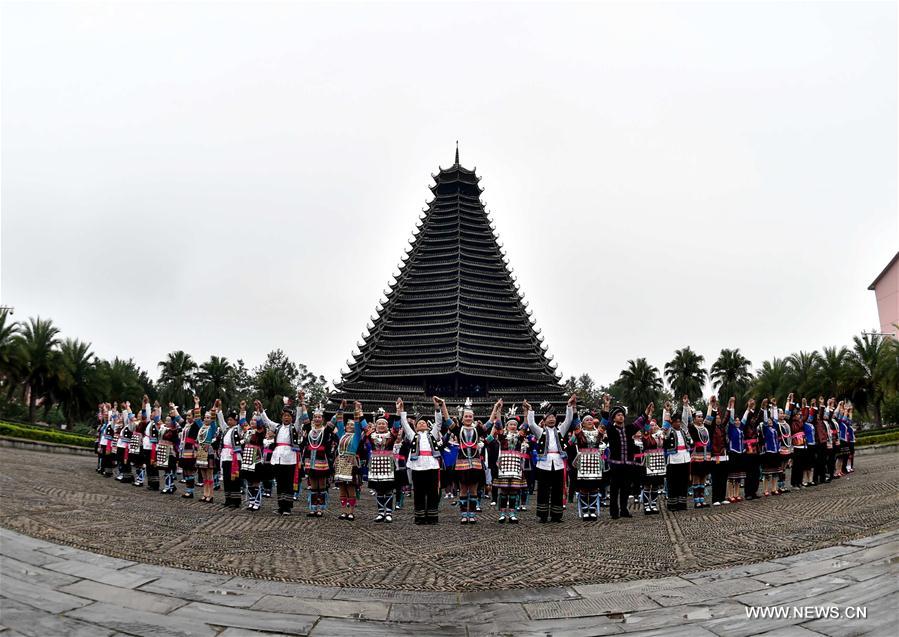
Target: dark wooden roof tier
point(453, 323)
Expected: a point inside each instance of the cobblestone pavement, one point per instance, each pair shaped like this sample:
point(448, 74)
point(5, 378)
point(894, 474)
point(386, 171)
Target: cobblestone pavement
point(61, 499)
point(49, 589)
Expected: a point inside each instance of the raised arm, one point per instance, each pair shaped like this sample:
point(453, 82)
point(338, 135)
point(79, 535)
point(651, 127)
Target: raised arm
point(535, 429)
point(263, 417)
point(687, 413)
point(401, 410)
point(569, 414)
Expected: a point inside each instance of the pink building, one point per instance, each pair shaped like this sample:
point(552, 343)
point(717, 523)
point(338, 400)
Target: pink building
point(886, 289)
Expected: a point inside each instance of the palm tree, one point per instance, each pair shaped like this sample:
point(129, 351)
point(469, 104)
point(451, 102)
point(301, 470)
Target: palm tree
point(640, 384)
point(120, 380)
point(868, 369)
point(216, 379)
point(38, 341)
point(78, 391)
point(772, 380)
point(270, 384)
point(10, 353)
point(176, 376)
point(730, 374)
point(832, 370)
point(804, 372)
point(685, 373)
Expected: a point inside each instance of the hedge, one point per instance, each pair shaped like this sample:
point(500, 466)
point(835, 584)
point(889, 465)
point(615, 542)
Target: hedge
point(43, 434)
point(878, 439)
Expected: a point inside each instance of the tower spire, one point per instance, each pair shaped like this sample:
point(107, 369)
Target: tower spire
point(457, 152)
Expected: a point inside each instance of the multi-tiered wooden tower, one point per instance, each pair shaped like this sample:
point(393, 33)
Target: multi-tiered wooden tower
point(454, 324)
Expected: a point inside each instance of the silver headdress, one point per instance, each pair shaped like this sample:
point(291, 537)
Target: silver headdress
point(319, 411)
point(510, 412)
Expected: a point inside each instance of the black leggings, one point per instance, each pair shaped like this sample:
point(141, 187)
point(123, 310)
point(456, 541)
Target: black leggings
point(549, 494)
point(284, 476)
point(621, 484)
point(719, 480)
point(678, 479)
point(427, 495)
point(230, 485)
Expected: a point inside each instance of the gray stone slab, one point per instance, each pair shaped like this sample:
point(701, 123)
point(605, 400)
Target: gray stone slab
point(35, 623)
point(457, 613)
point(243, 618)
point(828, 553)
point(621, 602)
point(867, 571)
point(183, 575)
point(136, 622)
point(746, 570)
point(703, 593)
point(861, 593)
point(792, 631)
point(331, 626)
point(885, 551)
point(323, 607)
point(876, 540)
point(124, 597)
point(288, 589)
point(193, 591)
point(243, 632)
point(97, 573)
point(805, 570)
point(398, 597)
point(10, 567)
point(873, 590)
point(690, 630)
point(636, 586)
point(671, 617)
point(573, 627)
point(13, 545)
point(39, 596)
point(738, 624)
point(520, 596)
point(794, 592)
point(70, 553)
point(882, 618)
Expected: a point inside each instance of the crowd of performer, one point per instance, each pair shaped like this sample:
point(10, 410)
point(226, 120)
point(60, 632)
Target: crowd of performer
point(592, 459)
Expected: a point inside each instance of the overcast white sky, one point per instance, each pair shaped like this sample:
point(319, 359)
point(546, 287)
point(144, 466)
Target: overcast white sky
point(231, 178)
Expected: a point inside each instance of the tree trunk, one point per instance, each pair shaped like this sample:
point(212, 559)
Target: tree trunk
point(32, 404)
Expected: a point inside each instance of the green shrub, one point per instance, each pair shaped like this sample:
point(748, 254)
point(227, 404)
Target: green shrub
point(44, 434)
point(878, 439)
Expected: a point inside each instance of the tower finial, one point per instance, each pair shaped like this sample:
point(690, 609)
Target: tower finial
point(457, 152)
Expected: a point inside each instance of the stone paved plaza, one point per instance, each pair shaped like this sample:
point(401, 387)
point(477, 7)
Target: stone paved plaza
point(835, 544)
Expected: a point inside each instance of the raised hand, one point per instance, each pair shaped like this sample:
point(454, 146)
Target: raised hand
point(343, 404)
point(399, 405)
point(572, 400)
point(731, 402)
point(301, 396)
point(257, 405)
point(525, 406)
point(650, 408)
point(685, 400)
point(606, 402)
point(436, 402)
